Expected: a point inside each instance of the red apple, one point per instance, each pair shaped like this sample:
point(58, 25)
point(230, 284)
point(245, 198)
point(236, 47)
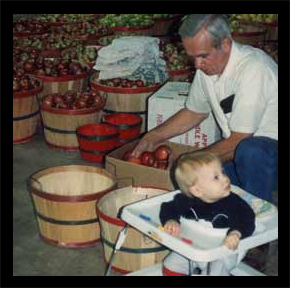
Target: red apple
point(63, 72)
point(57, 98)
point(134, 160)
point(116, 81)
point(28, 66)
point(147, 158)
point(140, 83)
point(162, 152)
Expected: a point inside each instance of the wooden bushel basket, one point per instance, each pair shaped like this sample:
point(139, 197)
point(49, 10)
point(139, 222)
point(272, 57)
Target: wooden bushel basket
point(162, 25)
point(253, 34)
point(179, 75)
point(64, 200)
point(25, 114)
point(60, 125)
point(272, 31)
point(125, 100)
point(138, 251)
point(62, 84)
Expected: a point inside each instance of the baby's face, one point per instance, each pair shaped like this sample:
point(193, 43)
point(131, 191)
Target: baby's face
point(212, 183)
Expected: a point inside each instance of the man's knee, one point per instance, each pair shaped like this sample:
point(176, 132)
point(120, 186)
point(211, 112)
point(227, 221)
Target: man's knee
point(257, 149)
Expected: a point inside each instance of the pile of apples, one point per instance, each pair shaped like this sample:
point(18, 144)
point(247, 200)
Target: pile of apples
point(51, 67)
point(20, 55)
point(72, 100)
point(259, 18)
point(42, 42)
point(22, 82)
point(62, 18)
point(85, 28)
point(107, 40)
point(127, 20)
point(156, 159)
point(85, 54)
point(175, 56)
point(124, 83)
point(25, 26)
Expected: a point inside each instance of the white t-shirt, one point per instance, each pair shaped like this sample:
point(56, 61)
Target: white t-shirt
point(249, 88)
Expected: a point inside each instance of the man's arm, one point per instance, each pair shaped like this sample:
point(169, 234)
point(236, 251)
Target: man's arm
point(225, 148)
point(178, 124)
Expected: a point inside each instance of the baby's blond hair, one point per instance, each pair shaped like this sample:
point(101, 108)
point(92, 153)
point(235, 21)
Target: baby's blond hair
point(187, 166)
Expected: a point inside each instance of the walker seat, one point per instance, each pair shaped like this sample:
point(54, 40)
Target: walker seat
point(197, 243)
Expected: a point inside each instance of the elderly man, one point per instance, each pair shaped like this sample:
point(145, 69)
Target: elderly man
point(239, 84)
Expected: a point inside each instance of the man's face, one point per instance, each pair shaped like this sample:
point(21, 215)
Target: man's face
point(206, 57)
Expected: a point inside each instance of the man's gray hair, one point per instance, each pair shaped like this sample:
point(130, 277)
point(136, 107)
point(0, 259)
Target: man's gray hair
point(216, 24)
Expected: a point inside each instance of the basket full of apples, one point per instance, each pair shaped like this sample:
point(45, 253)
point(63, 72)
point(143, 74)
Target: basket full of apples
point(58, 75)
point(25, 28)
point(62, 114)
point(129, 24)
point(249, 33)
point(82, 53)
point(178, 63)
point(57, 20)
point(25, 107)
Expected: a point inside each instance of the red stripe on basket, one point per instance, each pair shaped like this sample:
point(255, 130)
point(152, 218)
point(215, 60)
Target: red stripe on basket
point(117, 221)
point(132, 28)
point(29, 93)
point(62, 78)
point(168, 272)
point(17, 141)
point(66, 148)
point(72, 112)
point(179, 72)
point(69, 244)
point(122, 271)
point(62, 198)
point(248, 34)
point(109, 219)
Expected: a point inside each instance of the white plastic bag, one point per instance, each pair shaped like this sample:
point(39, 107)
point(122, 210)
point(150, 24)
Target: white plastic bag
point(134, 58)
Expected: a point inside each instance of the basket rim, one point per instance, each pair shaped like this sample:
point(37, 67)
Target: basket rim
point(73, 198)
point(124, 90)
point(72, 112)
point(135, 28)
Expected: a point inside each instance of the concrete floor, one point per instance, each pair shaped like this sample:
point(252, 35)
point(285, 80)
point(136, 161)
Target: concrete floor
point(32, 256)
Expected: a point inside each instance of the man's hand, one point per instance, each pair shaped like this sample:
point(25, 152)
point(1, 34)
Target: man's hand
point(147, 143)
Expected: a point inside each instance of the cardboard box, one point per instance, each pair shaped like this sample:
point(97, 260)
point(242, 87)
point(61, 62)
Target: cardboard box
point(167, 101)
point(128, 173)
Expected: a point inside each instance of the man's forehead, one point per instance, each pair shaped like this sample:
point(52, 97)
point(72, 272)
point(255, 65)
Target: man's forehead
point(201, 41)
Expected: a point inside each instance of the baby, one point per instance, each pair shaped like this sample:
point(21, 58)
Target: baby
point(206, 194)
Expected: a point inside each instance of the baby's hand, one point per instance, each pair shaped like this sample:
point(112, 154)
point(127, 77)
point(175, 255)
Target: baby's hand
point(172, 227)
point(232, 240)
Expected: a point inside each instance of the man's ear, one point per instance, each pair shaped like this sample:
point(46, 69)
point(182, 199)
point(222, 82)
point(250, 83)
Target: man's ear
point(194, 191)
point(226, 45)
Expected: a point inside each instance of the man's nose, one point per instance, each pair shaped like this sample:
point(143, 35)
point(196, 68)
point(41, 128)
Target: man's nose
point(198, 63)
